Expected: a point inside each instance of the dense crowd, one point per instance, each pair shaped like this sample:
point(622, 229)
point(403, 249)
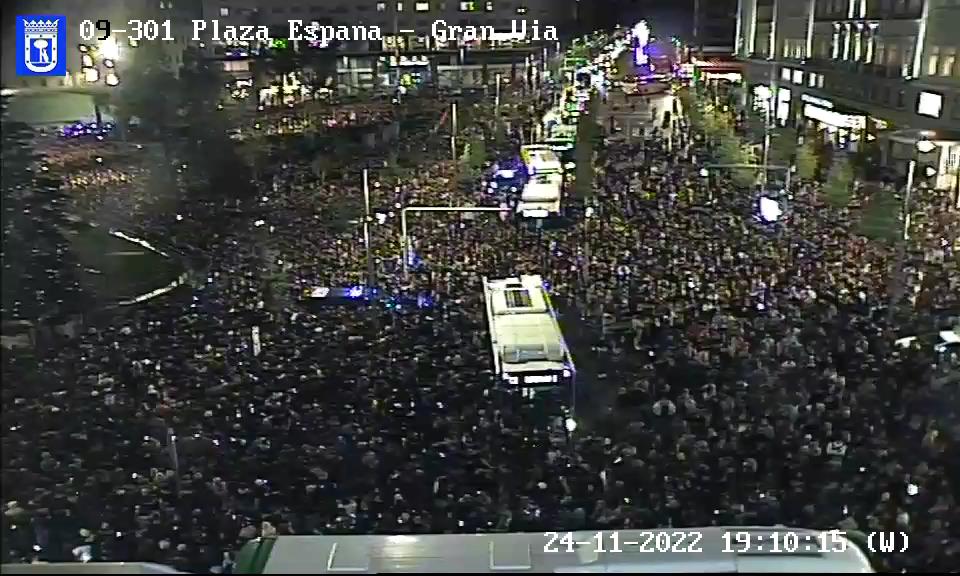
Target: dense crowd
point(735, 374)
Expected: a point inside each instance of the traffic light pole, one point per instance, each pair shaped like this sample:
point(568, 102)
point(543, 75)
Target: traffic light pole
point(907, 194)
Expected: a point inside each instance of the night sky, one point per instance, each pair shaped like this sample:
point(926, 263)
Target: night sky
point(667, 17)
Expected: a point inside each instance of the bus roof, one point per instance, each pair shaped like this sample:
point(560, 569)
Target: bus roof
point(524, 334)
point(539, 157)
point(541, 191)
point(522, 295)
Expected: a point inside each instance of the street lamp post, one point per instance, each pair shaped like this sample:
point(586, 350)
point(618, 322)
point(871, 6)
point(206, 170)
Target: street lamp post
point(453, 131)
point(366, 226)
point(922, 146)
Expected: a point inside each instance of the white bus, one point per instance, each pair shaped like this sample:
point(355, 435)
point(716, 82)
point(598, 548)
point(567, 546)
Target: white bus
point(527, 345)
point(706, 550)
point(540, 196)
point(540, 159)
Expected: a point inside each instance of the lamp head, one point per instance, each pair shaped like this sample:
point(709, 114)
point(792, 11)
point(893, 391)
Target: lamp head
point(925, 146)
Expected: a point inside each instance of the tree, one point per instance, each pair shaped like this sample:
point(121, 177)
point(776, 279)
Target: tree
point(472, 159)
point(717, 125)
point(880, 220)
point(806, 162)
point(321, 166)
point(41, 275)
point(148, 90)
point(228, 169)
point(783, 146)
point(837, 189)
point(756, 126)
point(820, 147)
point(393, 171)
point(732, 151)
point(477, 154)
point(587, 135)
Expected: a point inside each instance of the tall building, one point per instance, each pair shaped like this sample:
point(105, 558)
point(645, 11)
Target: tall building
point(861, 71)
point(448, 42)
point(715, 24)
point(387, 14)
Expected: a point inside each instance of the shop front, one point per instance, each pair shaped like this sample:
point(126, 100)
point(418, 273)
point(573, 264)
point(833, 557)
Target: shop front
point(945, 158)
point(762, 99)
point(843, 130)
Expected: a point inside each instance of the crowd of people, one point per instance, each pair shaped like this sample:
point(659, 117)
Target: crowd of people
point(740, 374)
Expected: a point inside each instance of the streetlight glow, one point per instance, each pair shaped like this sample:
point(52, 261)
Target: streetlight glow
point(109, 49)
point(925, 146)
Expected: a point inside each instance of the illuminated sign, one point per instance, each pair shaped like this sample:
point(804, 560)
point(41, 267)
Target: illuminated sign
point(641, 33)
point(818, 101)
point(930, 104)
point(835, 119)
point(409, 61)
point(770, 210)
point(761, 97)
point(541, 379)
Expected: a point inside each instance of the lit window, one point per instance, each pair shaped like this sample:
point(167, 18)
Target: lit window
point(399, 6)
point(949, 63)
point(933, 61)
point(224, 11)
point(930, 104)
point(906, 67)
point(468, 6)
point(521, 10)
point(489, 6)
point(381, 6)
point(820, 81)
point(422, 6)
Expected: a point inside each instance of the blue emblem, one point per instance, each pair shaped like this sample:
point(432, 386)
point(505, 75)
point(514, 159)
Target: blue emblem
point(41, 45)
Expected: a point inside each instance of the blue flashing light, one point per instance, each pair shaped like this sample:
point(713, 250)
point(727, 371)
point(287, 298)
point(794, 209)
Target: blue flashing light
point(355, 292)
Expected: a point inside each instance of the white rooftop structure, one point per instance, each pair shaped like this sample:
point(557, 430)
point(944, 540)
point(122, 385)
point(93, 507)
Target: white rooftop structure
point(524, 333)
point(540, 158)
